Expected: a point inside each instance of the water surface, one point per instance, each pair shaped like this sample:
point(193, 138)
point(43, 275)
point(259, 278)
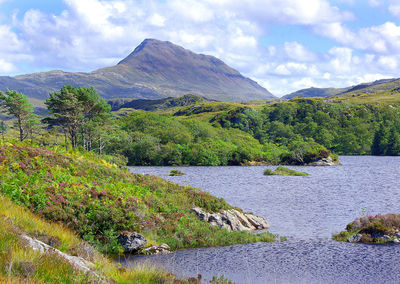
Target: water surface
point(308, 210)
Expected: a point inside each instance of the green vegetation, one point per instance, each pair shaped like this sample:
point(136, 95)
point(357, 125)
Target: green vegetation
point(19, 263)
point(372, 229)
point(17, 104)
point(79, 111)
point(99, 200)
point(176, 173)
point(282, 171)
point(189, 135)
point(342, 127)
point(295, 132)
point(152, 105)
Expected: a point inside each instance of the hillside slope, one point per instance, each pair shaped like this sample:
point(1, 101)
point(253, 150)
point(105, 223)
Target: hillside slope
point(155, 69)
point(363, 88)
point(315, 92)
point(98, 200)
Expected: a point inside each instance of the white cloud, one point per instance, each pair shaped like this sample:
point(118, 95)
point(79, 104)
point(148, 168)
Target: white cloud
point(388, 62)
point(382, 39)
point(375, 3)
point(157, 20)
point(306, 12)
point(394, 9)
point(336, 31)
point(96, 33)
point(299, 52)
point(6, 67)
point(192, 10)
point(9, 40)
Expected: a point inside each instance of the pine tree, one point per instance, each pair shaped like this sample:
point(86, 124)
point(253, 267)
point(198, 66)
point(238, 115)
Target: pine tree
point(17, 104)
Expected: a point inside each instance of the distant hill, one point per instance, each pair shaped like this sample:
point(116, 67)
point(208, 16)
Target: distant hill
point(372, 87)
point(150, 105)
point(363, 88)
point(315, 92)
point(155, 69)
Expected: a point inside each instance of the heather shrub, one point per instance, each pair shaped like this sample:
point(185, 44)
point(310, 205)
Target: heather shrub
point(99, 200)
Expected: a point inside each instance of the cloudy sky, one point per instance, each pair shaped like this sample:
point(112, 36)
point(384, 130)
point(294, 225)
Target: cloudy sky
point(284, 45)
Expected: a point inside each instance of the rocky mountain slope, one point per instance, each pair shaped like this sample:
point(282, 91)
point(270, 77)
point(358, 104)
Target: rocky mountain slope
point(155, 69)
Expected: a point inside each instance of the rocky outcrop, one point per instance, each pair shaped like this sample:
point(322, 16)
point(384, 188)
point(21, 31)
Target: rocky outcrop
point(160, 249)
point(375, 238)
point(77, 262)
point(355, 238)
point(323, 162)
point(232, 220)
point(132, 241)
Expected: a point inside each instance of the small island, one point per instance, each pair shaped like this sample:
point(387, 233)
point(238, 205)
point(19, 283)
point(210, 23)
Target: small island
point(282, 171)
point(176, 172)
point(379, 229)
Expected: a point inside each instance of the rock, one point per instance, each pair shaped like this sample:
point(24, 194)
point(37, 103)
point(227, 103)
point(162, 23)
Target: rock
point(161, 249)
point(77, 262)
point(323, 162)
point(232, 220)
point(395, 241)
point(397, 235)
point(355, 238)
point(132, 241)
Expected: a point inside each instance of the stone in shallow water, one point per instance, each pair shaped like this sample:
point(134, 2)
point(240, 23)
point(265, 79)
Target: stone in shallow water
point(232, 220)
point(355, 239)
point(160, 249)
point(132, 241)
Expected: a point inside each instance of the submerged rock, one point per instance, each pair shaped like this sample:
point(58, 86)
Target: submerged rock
point(232, 220)
point(132, 241)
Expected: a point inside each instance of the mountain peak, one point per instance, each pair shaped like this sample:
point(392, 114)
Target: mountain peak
point(155, 69)
point(149, 44)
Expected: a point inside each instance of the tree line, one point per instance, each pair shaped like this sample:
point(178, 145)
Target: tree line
point(295, 132)
point(76, 111)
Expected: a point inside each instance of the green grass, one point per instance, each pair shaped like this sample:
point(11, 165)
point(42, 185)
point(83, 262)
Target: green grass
point(19, 263)
point(176, 173)
point(282, 171)
point(98, 200)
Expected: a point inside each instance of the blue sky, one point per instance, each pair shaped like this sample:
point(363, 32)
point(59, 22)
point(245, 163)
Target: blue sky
point(284, 45)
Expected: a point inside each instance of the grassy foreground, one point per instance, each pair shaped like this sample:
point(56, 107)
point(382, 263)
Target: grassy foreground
point(20, 264)
point(99, 200)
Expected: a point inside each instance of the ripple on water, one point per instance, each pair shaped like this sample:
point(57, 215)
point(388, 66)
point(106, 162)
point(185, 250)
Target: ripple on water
point(308, 210)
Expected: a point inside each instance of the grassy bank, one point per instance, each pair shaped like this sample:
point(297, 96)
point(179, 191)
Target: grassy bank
point(99, 200)
point(21, 264)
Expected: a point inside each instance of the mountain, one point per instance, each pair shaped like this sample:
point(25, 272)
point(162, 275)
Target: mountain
point(155, 69)
point(370, 87)
point(315, 92)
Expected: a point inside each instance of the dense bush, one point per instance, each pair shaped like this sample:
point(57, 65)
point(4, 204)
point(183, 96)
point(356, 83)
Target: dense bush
point(345, 128)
